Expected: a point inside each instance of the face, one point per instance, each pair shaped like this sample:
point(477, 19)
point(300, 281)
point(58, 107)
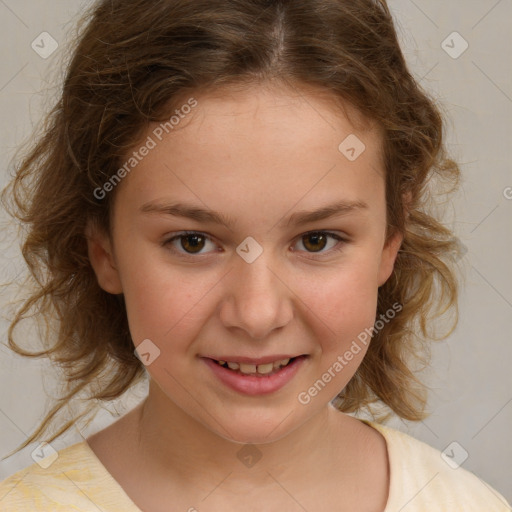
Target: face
point(220, 257)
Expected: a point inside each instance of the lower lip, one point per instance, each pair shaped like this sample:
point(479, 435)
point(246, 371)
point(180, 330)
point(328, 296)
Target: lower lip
point(252, 385)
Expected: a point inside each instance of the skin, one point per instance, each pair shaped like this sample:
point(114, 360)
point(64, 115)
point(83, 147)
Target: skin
point(257, 156)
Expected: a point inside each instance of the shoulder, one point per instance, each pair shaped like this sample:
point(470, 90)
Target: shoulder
point(70, 479)
point(422, 479)
point(51, 484)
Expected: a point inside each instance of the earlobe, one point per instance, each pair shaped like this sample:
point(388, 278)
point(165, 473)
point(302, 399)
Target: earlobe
point(102, 259)
point(389, 254)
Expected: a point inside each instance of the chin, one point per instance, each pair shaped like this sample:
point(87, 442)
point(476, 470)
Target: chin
point(256, 430)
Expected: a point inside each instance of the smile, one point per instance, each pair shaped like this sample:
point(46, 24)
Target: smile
point(253, 369)
point(255, 379)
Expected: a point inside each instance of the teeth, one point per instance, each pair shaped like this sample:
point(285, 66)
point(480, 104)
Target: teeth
point(265, 368)
point(247, 368)
point(251, 369)
point(282, 362)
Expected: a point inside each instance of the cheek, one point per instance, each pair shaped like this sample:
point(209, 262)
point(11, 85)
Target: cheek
point(342, 312)
point(344, 302)
point(160, 299)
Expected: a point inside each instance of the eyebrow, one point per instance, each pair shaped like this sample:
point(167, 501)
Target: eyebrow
point(337, 209)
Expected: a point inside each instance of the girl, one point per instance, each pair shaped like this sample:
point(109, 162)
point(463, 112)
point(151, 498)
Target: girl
point(230, 197)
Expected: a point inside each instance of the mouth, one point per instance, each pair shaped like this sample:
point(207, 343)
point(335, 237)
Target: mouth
point(255, 376)
point(259, 370)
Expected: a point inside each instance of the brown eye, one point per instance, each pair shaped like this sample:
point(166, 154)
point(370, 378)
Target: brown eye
point(317, 241)
point(314, 241)
point(192, 243)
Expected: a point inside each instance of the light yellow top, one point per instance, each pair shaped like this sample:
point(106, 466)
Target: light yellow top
point(420, 481)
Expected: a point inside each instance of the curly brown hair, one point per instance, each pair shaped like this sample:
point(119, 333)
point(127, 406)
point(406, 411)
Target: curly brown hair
point(131, 64)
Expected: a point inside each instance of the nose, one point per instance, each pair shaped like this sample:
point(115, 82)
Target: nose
point(256, 299)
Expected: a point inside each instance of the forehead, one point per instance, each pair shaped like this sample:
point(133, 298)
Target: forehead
point(267, 143)
point(272, 106)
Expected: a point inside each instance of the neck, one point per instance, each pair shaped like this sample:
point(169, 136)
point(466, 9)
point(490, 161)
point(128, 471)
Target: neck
point(175, 447)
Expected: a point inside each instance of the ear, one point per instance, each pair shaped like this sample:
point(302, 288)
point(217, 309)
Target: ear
point(388, 257)
point(392, 245)
point(101, 256)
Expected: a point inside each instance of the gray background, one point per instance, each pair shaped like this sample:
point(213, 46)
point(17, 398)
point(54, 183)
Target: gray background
point(470, 379)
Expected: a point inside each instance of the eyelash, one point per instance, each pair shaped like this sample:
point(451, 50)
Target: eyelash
point(168, 243)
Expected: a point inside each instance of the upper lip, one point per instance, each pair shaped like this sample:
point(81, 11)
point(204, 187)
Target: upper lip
point(253, 360)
